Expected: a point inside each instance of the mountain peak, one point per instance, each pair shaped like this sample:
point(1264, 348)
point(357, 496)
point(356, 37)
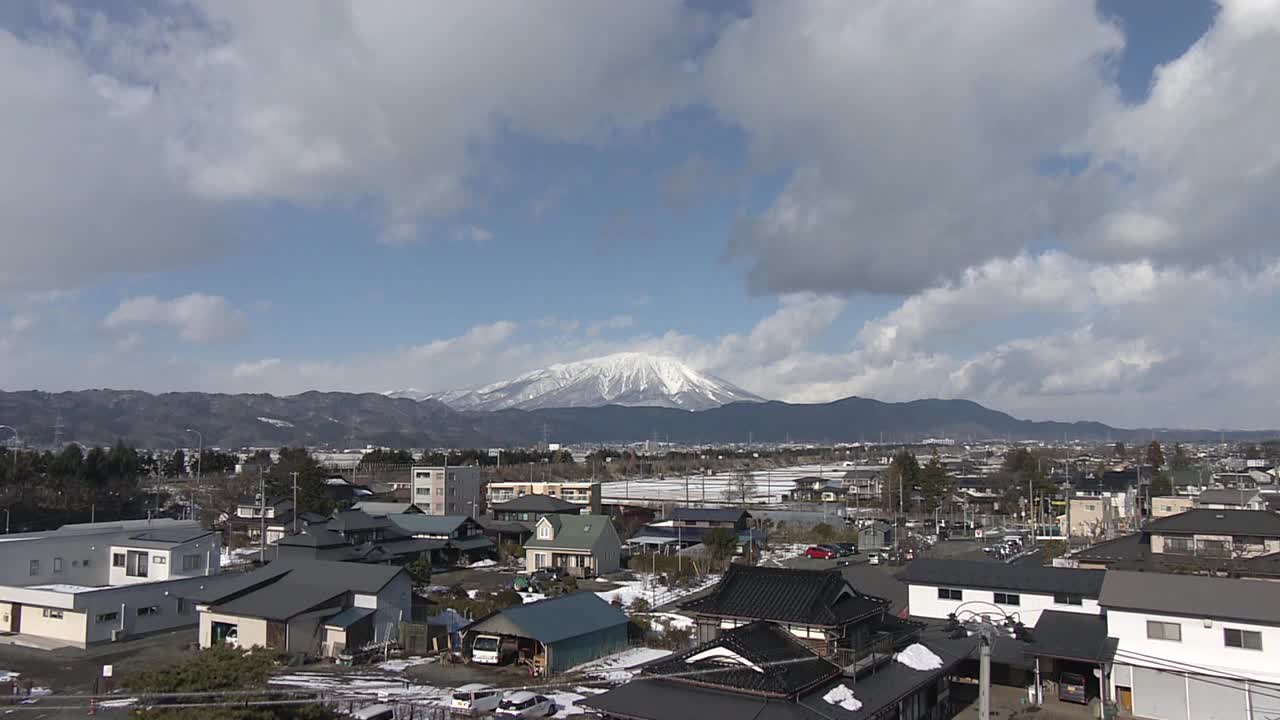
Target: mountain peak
point(626, 378)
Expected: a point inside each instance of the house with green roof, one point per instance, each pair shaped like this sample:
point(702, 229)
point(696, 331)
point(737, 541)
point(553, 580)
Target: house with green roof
point(581, 545)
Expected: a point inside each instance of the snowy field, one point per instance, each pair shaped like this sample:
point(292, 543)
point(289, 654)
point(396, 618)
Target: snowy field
point(769, 486)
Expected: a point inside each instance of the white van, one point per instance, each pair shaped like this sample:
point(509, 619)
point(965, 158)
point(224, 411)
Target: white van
point(475, 698)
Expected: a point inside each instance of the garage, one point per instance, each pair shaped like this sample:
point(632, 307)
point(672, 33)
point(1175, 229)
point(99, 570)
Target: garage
point(553, 635)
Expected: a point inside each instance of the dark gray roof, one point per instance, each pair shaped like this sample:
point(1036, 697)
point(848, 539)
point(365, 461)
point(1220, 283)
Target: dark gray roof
point(223, 586)
point(172, 536)
point(759, 643)
point(536, 504)
point(553, 619)
point(355, 521)
point(1226, 496)
point(417, 524)
point(349, 617)
point(807, 597)
point(1122, 549)
point(312, 537)
point(685, 514)
point(1072, 636)
point(293, 586)
point(1195, 596)
point(999, 576)
point(1218, 522)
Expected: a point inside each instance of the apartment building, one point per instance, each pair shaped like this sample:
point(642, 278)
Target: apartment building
point(1092, 516)
point(1166, 505)
point(579, 492)
point(1216, 533)
point(1190, 647)
point(99, 582)
point(441, 490)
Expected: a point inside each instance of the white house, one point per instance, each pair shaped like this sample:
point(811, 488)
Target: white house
point(98, 582)
point(939, 588)
point(1193, 647)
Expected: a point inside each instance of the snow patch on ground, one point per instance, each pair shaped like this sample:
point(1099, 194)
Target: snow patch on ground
point(919, 657)
point(121, 703)
point(529, 597)
point(275, 422)
point(653, 592)
point(841, 695)
point(671, 621)
point(487, 562)
point(404, 663)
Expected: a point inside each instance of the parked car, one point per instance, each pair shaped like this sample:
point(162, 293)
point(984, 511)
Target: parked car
point(1072, 688)
point(491, 650)
point(475, 698)
point(548, 575)
point(873, 558)
point(821, 552)
point(524, 704)
point(845, 549)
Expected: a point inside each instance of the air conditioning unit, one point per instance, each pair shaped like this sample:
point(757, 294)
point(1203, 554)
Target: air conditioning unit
point(117, 635)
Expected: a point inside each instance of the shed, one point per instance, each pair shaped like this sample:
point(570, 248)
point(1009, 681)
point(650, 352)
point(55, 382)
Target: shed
point(565, 631)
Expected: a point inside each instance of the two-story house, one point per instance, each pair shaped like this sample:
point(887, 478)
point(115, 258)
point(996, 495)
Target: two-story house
point(253, 516)
point(582, 545)
point(940, 588)
point(1210, 533)
point(1191, 647)
point(100, 582)
point(1231, 499)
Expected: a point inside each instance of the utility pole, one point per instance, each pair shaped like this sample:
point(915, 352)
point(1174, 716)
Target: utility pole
point(262, 516)
point(295, 501)
point(984, 677)
point(199, 470)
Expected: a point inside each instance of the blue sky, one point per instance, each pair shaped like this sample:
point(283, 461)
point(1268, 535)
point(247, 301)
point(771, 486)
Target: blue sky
point(683, 179)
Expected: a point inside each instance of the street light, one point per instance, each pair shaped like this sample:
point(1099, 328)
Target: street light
point(199, 470)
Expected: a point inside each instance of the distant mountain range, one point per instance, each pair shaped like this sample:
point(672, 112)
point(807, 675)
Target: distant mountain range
point(330, 419)
point(628, 379)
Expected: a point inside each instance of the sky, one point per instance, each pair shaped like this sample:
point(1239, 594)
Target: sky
point(1057, 209)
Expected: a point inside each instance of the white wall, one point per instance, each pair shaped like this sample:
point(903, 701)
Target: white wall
point(923, 601)
point(1201, 646)
point(251, 631)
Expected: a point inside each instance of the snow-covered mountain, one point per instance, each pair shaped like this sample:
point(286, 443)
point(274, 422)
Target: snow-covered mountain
point(633, 379)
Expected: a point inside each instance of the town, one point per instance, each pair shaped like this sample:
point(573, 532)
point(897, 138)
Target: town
point(928, 581)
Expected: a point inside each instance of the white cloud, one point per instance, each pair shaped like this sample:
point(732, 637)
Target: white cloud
point(473, 234)
point(197, 317)
point(617, 322)
point(254, 368)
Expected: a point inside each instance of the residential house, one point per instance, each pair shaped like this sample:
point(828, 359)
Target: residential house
point(1191, 647)
point(99, 582)
point(1093, 516)
point(863, 485)
point(582, 545)
point(585, 493)
point(816, 489)
point(1216, 533)
point(558, 633)
point(875, 536)
point(728, 518)
point(1166, 505)
point(1231, 499)
point(528, 508)
point(307, 607)
point(687, 527)
point(819, 607)
point(438, 490)
point(464, 537)
point(939, 588)
point(252, 517)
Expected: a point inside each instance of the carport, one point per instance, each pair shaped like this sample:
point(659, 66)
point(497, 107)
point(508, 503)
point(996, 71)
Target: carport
point(1067, 642)
point(558, 633)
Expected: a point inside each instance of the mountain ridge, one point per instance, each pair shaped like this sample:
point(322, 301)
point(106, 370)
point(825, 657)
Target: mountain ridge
point(334, 419)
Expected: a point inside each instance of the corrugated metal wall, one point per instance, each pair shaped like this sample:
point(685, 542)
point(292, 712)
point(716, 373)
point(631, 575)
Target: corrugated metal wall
point(574, 651)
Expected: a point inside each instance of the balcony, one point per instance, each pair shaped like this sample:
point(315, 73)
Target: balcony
point(867, 656)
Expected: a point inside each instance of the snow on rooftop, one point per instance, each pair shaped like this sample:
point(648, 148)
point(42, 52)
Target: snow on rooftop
point(62, 588)
point(919, 657)
point(841, 695)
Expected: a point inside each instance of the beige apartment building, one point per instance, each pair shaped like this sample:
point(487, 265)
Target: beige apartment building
point(580, 492)
point(1167, 505)
point(439, 490)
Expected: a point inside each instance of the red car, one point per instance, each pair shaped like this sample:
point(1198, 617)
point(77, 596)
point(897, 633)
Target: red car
point(821, 552)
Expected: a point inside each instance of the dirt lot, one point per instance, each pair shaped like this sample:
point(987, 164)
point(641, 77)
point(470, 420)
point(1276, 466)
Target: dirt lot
point(70, 670)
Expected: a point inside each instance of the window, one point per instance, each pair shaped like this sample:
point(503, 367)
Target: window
point(135, 563)
point(1178, 545)
point(53, 614)
point(423, 491)
point(184, 606)
point(57, 566)
point(35, 567)
point(192, 562)
point(117, 560)
point(453, 491)
point(544, 532)
point(159, 560)
point(439, 491)
point(1164, 631)
point(1245, 639)
point(149, 610)
point(950, 594)
point(1067, 599)
point(107, 617)
point(1008, 599)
